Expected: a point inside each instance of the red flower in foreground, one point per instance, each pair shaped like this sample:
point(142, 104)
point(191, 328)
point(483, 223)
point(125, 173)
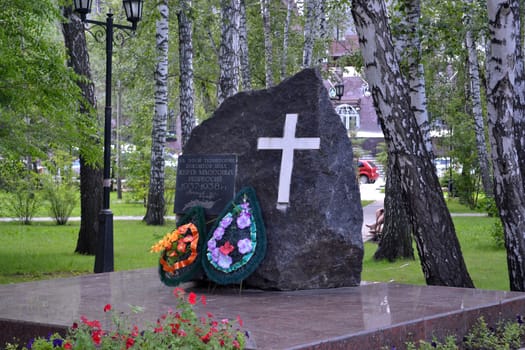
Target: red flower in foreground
point(95, 324)
point(107, 307)
point(206, 338)
point(239, 320)
point(129, 342)
point(96, 337)
point(192, 298)
point(68, 346)
point(178, 291)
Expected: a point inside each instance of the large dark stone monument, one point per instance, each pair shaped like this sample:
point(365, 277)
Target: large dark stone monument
point(292, 148)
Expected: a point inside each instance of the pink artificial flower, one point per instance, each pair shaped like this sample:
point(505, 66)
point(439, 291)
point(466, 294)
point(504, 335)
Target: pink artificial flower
point(244, 246)
point(226, 222)
point(215, 253)
point(212, 244)
point(224, 261)
point(218, 233)
point(244, 220)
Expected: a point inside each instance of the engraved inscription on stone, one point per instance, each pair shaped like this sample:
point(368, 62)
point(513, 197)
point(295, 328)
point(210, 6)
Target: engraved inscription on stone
point(205, 180)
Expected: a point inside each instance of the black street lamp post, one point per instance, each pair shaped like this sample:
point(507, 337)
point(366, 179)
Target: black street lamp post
point(133, 8)
point(339, 90)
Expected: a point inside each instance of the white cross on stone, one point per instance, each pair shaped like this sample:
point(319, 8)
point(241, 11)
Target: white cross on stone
point(288, 143)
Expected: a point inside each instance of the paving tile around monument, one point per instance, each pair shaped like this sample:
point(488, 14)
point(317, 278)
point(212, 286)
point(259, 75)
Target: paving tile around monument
point(366, 317)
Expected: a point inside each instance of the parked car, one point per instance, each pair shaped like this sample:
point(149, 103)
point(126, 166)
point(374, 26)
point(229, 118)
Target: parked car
point(367, 171)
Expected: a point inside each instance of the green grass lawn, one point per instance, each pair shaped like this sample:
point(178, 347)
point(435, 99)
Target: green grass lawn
point(45, 250)
point(486, 264)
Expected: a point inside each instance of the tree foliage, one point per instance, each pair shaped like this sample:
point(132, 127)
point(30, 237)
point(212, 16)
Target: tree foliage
point(38, 94)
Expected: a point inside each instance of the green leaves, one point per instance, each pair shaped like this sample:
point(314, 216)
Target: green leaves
point(37, 92)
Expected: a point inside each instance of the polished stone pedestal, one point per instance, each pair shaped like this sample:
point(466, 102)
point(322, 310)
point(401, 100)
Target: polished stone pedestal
point(366, 317)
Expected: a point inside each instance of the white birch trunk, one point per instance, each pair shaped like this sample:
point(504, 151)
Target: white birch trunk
point(396, 240)
point(503, 81)
point(268, 51)
point(229, 50)
point(156, 204)
point(286, 31)
point(309, 32)
point(477, 110)
point(418, 95)
point(187, 109)
point(243, 47)
point(408, 48)
point(431, 222)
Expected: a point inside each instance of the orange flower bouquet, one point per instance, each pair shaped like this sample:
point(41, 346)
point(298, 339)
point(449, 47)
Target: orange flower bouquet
point(180, 249)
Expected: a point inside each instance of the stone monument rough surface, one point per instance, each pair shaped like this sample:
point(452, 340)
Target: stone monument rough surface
point(315, 241)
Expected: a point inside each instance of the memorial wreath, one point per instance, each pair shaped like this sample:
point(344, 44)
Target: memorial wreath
point(180, 249)
point(236, 244)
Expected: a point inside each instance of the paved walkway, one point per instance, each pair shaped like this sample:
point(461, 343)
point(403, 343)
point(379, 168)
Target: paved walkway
point(375, 193)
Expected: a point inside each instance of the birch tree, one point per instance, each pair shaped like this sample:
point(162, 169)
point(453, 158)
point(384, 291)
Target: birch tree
point(156, 203)
point(396, 237)
point(90, 173)
point(477, 110)
point(396, 241)
point(229, 50)
point(187, 109)
point(286, 34)
point(505, 113)
point(416, 73)
point(309, 32)
point(243, 47)
point(438, 247)
point(267, 31)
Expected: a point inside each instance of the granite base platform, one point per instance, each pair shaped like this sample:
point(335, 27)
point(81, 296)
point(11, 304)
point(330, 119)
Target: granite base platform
point(370, 316)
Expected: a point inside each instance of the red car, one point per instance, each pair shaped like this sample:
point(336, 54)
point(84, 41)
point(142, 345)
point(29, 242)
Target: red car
point(367, 171)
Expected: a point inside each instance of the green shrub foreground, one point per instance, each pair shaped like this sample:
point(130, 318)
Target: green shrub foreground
point(176, 329)
point(507, 335)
